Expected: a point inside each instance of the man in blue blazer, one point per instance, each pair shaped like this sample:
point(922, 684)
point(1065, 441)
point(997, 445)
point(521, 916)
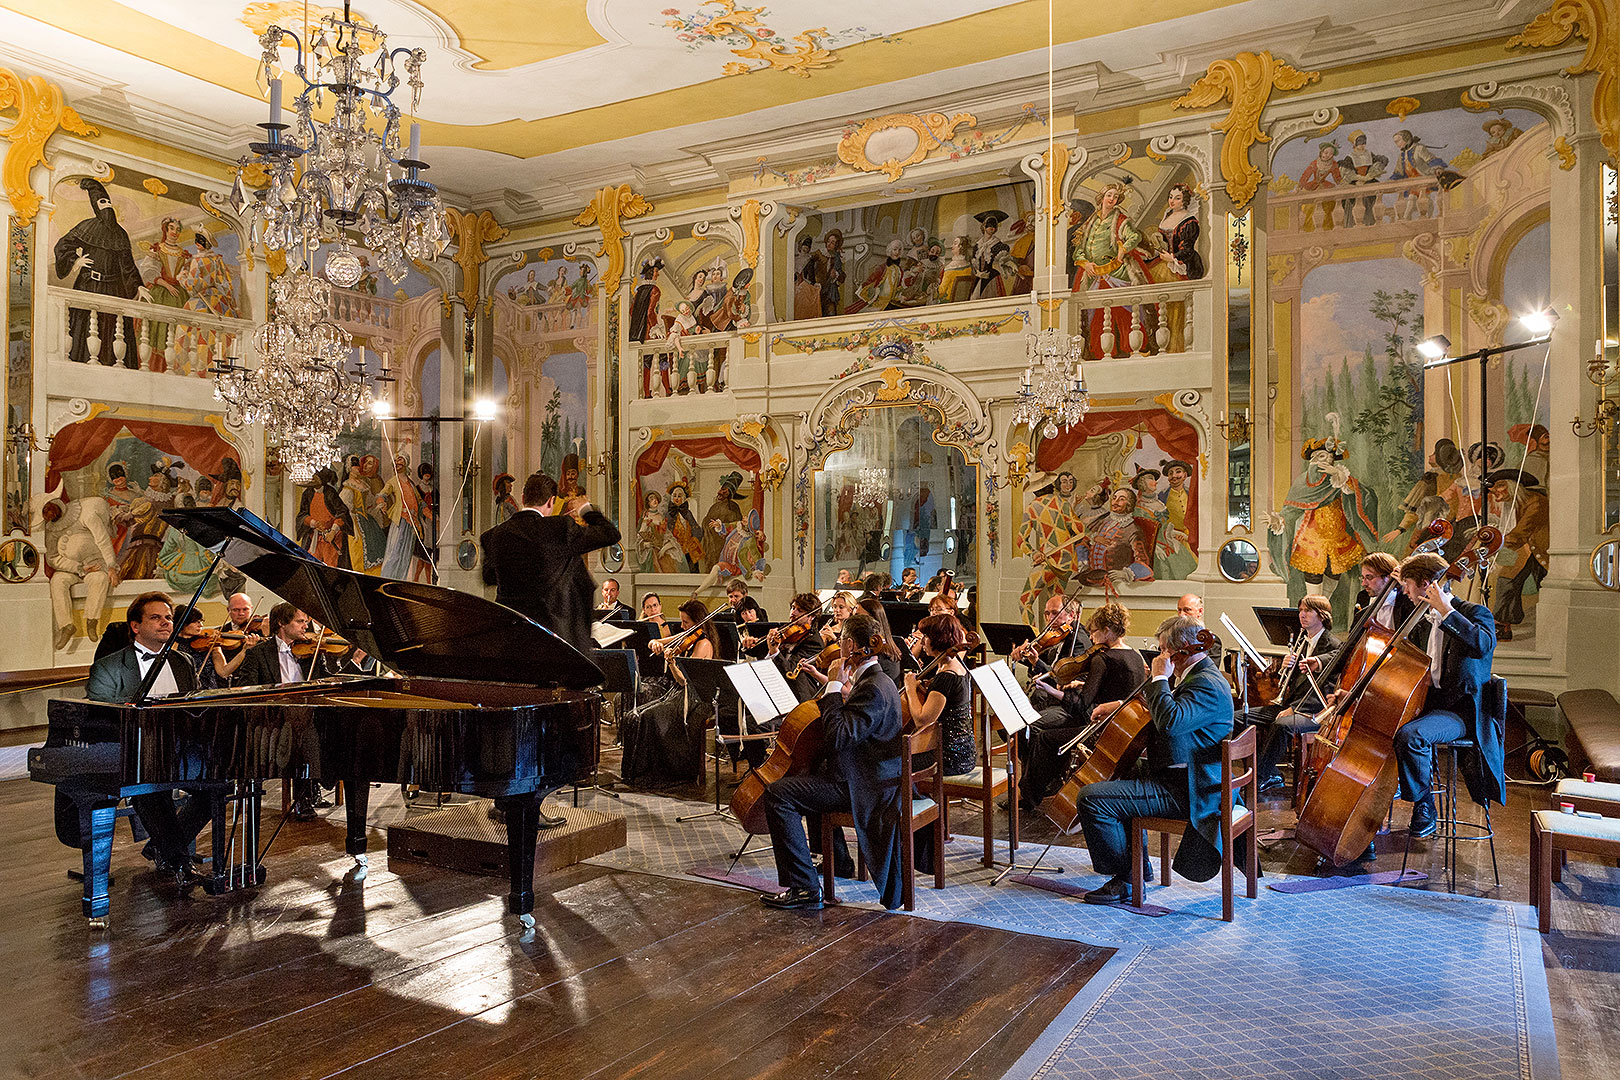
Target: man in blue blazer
point(860, 776)
point(1180, 776)
point(1460, 653)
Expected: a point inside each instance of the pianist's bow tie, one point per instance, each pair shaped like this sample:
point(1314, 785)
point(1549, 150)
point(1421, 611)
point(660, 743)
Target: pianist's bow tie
point(144, 655)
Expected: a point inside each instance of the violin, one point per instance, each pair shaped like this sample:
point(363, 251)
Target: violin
point(823, 661)
point(1070, 668)
point(331, 645)
point(213, 639)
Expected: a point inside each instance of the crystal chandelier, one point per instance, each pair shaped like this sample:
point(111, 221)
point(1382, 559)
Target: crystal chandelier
point(1052, 392)
point(872, 485)
point(301, 392)
point(349, 173)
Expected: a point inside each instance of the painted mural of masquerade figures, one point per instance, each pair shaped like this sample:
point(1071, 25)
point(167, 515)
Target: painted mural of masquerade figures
point(993, 263)
point(1052, 534)
point(1178, 233)
point(95, 257)
point(78, 550)
point(1177, 555)
point(330, 524)
point(1122, 540)
point(163, 263)
point(369, 541)
point(644, 319)
point(880, 290)
point(1526, 542)
point(683, 529)
point(722, 514)
point(1321, 174)
point(505, 504)
point(1327, 524)
point(207, 281)
point(409, 524)
point(579, 297)
point(144, 529)
point(956, 278)
point(830, 273)
point(1499, 134)
point(1445, 464)
point(1413, 159)
point(656, 551)
point(806, 285)
point(1109, 255)
point(1361, 166)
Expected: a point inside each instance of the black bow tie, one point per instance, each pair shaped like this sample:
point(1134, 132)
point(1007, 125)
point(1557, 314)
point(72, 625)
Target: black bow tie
point(144, 655)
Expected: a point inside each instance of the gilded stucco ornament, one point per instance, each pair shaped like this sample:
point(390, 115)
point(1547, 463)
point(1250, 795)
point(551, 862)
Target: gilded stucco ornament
point(1596, 23)
point(1247, 80)
point(890, 144)
point(472, 232)
point(40, 113)
point(611, 206)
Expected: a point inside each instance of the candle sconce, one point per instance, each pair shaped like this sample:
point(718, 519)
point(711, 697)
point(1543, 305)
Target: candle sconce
point(1238, 430)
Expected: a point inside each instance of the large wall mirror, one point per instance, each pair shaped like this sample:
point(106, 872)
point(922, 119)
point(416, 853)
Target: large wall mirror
point(896, 498)
point(1237, 419)
point(1610, 370)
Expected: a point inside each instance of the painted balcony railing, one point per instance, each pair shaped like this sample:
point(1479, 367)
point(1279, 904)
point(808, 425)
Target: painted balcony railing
point(556, 321)
point(684, 365)
point(1160, 319)
point(360, 312)
point(1356, 206)
point(86, 327)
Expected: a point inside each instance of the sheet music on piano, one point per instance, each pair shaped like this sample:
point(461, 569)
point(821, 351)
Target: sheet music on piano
point(1007, 701)
point(763, 690)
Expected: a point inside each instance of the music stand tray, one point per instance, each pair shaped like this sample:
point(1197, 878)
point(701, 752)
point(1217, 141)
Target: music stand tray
point(1279, 623)
point(1002, 636)
point(707, 679)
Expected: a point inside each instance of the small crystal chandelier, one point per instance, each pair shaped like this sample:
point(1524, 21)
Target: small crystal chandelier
point(349, 173)
point(1052, 392)
point(872, 485)
point(301, 392)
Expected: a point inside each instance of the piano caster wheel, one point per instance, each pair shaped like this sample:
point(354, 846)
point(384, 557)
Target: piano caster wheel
point(527, 921)
point(410, 791)
point(362, 866)
point(103, 924)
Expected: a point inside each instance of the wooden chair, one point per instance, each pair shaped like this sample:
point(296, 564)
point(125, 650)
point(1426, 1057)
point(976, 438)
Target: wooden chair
point(916, 814)
point(1237, 821)
point(986, 783)
point(1552, 834)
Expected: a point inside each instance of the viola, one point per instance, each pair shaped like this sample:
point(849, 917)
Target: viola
point(823, 661)
point(1115, 742)
point(1346, 805)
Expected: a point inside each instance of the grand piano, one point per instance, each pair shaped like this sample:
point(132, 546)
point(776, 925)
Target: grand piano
point(486, 702)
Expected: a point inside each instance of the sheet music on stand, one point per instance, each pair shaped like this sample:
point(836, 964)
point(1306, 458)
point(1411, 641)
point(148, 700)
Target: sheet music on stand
point(606, 635)
point(1007, 701)
point(764, 692)
point(1243, 643)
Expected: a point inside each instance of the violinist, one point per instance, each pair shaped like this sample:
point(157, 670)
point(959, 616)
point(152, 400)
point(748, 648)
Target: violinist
point(1297, 707)
point(1190, 702)
point(1060, 636)
point(860, 775)
point(797, 642)
point(668, 744)
point(909, 588)
point(205, 652)
point(945, 697)
point(750, 641)
point(1111, 673)
point(239, 609)
point(1461, 640)
point(272, 662)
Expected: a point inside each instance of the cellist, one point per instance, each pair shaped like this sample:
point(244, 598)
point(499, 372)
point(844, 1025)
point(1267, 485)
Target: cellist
point(861, 775)
point(1190, 702)
point(1461, 640)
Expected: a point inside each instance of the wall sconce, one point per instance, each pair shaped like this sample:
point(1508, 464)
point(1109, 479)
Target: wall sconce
point(774, 473)
point(24, 439)
point(1237, 430)
point(1602, 422)
point(597, 464)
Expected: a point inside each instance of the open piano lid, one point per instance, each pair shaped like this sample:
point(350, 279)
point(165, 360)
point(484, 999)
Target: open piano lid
point(415, 629)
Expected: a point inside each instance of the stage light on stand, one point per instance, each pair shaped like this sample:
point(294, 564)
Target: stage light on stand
point(484, 410)
point(1434, 348)
point(382, 409)
point(1540, 323)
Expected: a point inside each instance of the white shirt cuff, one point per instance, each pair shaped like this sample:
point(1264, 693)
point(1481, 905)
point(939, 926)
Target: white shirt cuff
point(833, 687)
point(1162, 678)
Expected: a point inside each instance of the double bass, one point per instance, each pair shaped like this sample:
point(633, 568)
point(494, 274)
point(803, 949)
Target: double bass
point(1347, 803)
point(1115, 742)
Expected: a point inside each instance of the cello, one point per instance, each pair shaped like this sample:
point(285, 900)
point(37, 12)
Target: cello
point(1115, 742)
point(1347, 803)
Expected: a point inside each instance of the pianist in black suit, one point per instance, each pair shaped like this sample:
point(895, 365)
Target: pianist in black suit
point(116, 678)
point(536, 560)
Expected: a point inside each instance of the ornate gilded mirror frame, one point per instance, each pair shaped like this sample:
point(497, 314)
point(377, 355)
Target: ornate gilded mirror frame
point(1237, 419)
point(1606, 365)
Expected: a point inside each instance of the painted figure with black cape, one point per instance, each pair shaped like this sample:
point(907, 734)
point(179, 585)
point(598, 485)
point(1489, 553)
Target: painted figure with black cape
point(95, 256)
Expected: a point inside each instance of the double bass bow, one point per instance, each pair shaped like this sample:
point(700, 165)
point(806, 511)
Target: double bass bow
point(1346, 805)
point(1115, 742)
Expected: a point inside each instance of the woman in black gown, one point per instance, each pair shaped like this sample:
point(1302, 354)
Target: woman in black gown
point(946, 699)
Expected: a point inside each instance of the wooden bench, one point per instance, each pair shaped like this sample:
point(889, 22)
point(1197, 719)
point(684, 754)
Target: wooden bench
point(1552, 834)
point(1594, 727)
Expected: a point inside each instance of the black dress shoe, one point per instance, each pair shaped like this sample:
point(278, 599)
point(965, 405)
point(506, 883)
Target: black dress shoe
point(1115, 890)
point(1424, 823)
point(793, 900)
point(1272, 783)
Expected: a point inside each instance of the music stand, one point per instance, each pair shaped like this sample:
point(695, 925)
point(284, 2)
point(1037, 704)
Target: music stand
point(904, 615)
point(620, 675)
point(707, 679)
point(727, 632)
point(1002, 637)
point(1280, 624)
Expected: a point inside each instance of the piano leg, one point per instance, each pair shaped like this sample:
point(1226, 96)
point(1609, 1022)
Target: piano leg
point(522, 834)
point(97, 816)
point(357, 793)
point(217, 882)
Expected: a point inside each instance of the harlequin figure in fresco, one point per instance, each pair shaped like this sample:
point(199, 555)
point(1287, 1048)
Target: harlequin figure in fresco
point(1326, 526)
point(95, 256)
point(683, 529)
point(830, 272)
point(1361, 166)
point(722, 514)
point(1109, 254)
point(993, 263)
point(163, 263)
point(207, 280)
point(1320, 175)
point(1052, 533)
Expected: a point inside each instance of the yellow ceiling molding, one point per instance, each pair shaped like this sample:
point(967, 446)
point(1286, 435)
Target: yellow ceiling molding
point(472, 232)
point(1247, 80)
point(612, 205)
point(1597, 23)
point(901, 138)
point(1402, 107)
point(40, 112)
point(748, 218)
point(489, 31)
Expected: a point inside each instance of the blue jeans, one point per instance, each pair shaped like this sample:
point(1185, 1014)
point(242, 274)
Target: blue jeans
point(1414, 750)
point(1106, 810)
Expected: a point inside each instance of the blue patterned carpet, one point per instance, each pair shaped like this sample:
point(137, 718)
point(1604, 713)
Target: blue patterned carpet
point(1359, 982)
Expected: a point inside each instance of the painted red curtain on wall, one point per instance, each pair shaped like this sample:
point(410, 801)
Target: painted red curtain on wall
point(1175, 436)
point(77, 445)
point(652, 459)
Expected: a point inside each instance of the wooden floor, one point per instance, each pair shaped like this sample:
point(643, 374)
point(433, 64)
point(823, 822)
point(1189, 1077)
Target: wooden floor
point(421, 975)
